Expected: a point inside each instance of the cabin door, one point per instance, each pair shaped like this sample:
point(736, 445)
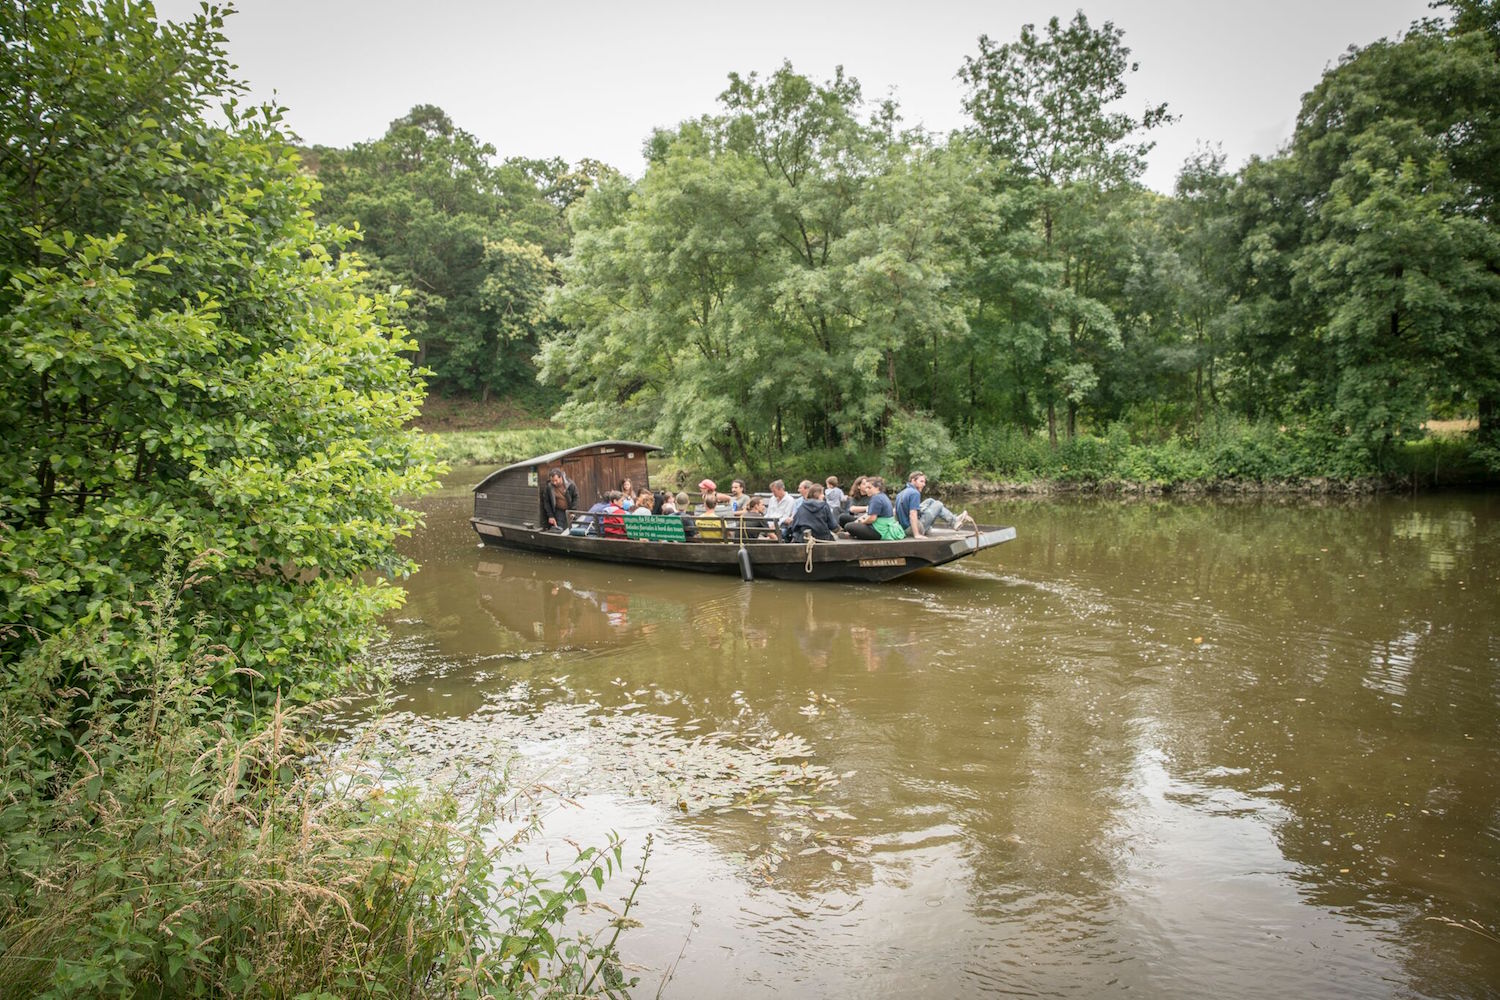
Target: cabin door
point(585, 477)
point(611, 469)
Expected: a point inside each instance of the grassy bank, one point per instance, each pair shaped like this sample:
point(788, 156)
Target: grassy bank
point(155, 847)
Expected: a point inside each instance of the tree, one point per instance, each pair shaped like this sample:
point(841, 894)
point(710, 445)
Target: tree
point(1370, 247)
point(432, 205)
point(784, 271)
point(1044, 104)
point(1176, 300)
point(189, 375)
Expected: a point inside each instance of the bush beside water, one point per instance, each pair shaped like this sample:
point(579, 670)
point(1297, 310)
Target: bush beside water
point(1228, 456)
point(155, 846)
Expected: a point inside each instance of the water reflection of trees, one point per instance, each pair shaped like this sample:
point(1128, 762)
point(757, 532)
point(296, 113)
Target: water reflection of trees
point(1346, 683)
point(1349, 673)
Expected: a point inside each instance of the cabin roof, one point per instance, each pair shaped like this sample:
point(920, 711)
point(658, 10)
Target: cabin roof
point(552, 458)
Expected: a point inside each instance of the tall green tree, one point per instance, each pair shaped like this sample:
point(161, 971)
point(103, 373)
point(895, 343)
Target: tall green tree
point(1374, 238)
point(434, 207)
point(784, 271)
point(1048, 104)
point(188, 374)
point(1177, 301)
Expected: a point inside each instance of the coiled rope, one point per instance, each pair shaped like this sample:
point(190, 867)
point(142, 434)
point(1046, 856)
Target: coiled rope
point(811, 541)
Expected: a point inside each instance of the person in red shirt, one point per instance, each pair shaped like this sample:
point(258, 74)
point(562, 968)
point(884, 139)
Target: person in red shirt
point(613, 518)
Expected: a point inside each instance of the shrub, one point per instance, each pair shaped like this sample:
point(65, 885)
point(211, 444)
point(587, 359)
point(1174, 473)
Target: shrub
point(189, 363)
point(173, 856)
point(1006, 452)
point(500, 447)
point(917, 440)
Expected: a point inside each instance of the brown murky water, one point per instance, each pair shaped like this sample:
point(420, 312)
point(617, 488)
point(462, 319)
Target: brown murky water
point(1165, 749)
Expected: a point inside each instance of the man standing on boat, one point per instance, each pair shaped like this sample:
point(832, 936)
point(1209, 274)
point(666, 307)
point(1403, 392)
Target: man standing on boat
point(916, 515)
point(559, 496)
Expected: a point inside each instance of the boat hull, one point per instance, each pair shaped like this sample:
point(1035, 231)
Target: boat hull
point(845, 559)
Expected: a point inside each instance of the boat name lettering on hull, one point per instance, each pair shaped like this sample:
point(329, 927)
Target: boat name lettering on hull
point(881, 562)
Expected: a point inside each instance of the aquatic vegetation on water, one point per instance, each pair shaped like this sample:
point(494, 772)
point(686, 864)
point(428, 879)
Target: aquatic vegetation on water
point(576, 748)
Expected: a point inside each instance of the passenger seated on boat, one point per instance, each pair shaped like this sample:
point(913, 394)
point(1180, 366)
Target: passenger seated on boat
point(813, 517)
point(613, 518)
point(711, 499)
point(588, 523)
point(737, 496)
point(645, 503)
point(711, 511)
point(685, 508)
point(668, 504)
point(781, 505)
point(627, 494)
point(855, 502)
point(879, 519)
point(752, 521)
point(833, 494)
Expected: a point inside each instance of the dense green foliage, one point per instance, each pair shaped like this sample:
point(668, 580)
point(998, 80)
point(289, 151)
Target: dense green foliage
point(796, 272)
point(174, 857)
point(187, 372)
point(1370, 253)
point(203, 409)
point(470, 243)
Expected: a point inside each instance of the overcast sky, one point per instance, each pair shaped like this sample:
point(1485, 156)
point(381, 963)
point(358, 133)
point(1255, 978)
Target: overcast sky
point(592, 78)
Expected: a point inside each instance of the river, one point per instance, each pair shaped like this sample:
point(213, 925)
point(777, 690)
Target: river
point(1168, 749)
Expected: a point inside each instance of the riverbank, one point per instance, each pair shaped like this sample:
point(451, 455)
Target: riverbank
point(1230, 459)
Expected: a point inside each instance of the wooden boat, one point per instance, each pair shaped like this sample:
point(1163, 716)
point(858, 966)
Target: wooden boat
point(507, 513)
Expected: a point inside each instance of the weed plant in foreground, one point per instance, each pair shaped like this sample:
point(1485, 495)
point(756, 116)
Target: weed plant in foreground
point(151, 848)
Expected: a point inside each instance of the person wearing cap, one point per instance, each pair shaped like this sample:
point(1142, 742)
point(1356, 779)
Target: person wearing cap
point(711, 500)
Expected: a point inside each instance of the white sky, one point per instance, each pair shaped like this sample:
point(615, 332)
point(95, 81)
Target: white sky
point(592, 78)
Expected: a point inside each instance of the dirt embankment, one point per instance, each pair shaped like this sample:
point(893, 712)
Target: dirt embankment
point(440, 413)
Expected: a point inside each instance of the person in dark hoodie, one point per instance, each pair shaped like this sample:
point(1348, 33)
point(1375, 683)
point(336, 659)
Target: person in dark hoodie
point(559, 496)
point(813, 517)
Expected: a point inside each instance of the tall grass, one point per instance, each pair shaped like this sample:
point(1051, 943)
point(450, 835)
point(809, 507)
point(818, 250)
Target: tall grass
point(150, 848)
point(1220, 453)
point(501, 447)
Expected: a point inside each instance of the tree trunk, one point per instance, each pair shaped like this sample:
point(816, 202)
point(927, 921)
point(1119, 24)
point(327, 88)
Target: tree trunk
point(1052, 423)
point(973, 390)
point(932, 396)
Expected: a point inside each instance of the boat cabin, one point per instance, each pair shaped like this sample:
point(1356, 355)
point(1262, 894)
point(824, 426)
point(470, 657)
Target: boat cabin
point(513, 495)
